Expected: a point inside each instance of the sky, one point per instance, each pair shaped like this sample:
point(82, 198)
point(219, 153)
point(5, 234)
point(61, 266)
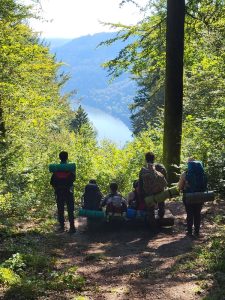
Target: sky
point(74, 18)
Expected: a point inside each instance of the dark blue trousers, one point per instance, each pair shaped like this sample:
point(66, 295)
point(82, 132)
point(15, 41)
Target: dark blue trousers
point(64, 196)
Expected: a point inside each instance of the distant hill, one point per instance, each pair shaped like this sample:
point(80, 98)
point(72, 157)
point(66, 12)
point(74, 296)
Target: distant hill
point(83, 61)
point(54, 42)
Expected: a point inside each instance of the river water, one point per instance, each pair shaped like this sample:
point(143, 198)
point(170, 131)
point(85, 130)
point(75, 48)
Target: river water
point(108, 127)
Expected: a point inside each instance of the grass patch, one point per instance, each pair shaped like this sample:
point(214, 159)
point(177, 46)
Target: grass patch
point(187, 261)
point(45, 225)
point(208, 263)
point(68, 279)
point(39, 263)
point(29, 263)
point(219, 219)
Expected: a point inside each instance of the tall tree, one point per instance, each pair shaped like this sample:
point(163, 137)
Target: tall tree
point(11, 14)
point(81, 124)
point(80, 119)
point(174, 85)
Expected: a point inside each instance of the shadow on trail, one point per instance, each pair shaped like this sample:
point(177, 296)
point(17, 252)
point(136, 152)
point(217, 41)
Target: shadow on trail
point(112, 254)
point(175, 248)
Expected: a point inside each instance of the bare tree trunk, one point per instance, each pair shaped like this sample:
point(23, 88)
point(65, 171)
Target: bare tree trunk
point(173, 86)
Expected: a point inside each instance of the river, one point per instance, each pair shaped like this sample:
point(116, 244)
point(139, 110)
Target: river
point(108, 127)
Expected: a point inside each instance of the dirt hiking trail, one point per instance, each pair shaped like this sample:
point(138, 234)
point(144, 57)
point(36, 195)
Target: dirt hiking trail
point(131, 262)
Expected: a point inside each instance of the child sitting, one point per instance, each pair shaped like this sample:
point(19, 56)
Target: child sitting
point(114, 202)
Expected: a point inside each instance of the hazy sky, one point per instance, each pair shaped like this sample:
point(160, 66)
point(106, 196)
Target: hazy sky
point(73, 18)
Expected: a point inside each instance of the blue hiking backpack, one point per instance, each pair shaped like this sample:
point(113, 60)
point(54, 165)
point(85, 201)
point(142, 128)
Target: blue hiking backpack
point(196, 177)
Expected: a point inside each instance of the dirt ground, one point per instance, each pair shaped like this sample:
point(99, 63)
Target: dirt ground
point(130, 261)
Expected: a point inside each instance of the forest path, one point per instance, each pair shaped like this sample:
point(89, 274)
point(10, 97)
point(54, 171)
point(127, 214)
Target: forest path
point(131, 262)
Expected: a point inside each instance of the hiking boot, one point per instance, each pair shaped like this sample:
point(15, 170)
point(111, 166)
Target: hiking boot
point(72, 230)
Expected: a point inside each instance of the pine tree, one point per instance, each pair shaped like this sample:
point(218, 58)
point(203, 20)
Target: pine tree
point(80, 120)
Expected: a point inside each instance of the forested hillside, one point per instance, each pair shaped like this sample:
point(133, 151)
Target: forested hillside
point(132, 260)
point(83, 59)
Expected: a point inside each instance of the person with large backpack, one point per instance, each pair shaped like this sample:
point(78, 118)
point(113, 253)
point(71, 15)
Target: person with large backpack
point(114, 202)
point(151, 182)
point(150, 157)
point(92, 196)
point(191, 181)
point(62, 182)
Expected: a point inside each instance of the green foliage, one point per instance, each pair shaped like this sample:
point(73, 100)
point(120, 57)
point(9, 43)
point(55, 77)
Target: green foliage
point(147, 103)
point(13, 11)
point(219, 219)
point(68, 279)
point(8, 277)
point(214, 254)
point(38, 263)
point(32, 114)
point(73, 281)
point(15, 263)
point(29, 262)
point(27, 275)
point(204, 139)
point(6, 203)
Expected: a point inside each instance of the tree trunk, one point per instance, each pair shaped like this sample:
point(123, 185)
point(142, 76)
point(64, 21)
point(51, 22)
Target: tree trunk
point(3, 144)
point(173, 86)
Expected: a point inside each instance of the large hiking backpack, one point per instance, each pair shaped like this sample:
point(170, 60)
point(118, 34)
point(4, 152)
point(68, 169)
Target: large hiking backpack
point(92, 197)
point(62, 179)
point(195, 177)
point(153, 181)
